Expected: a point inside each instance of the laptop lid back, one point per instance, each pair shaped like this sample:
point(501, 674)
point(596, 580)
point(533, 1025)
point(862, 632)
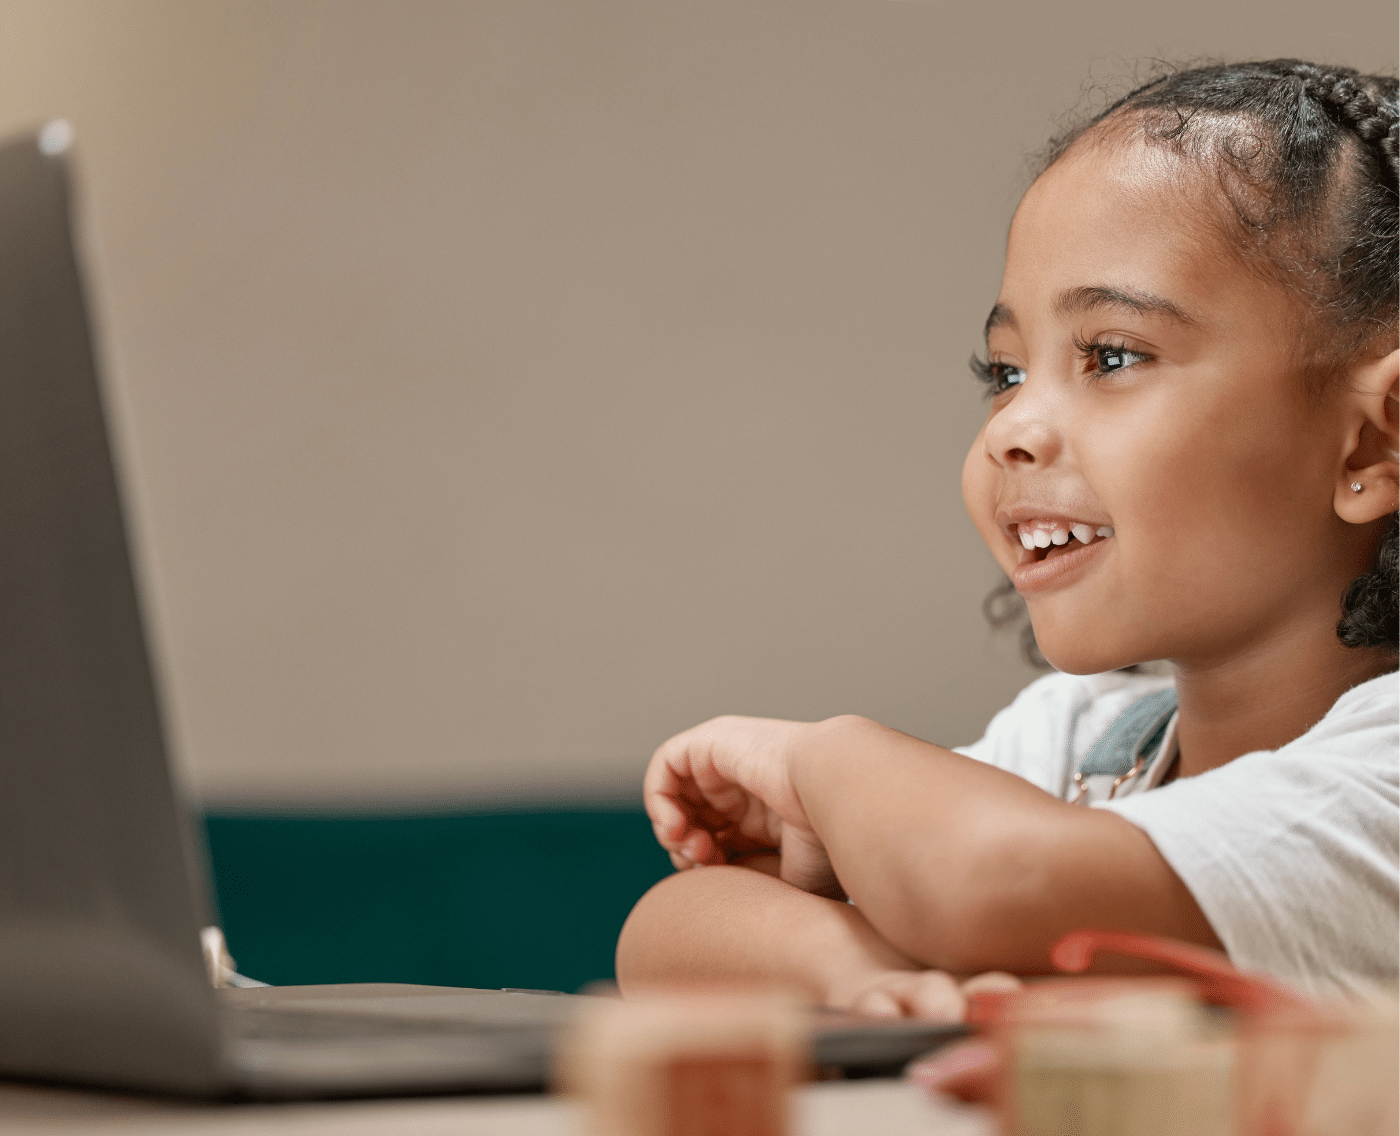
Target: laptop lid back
point(101, 977)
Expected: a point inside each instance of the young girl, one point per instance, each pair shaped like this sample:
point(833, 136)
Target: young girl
point(1190, 455)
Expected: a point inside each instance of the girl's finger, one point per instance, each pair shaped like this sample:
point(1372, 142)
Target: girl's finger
point(936, 997)
point(735, 841)
point(671, 839)
point(878, 1003)
point(661, 793)
point(700, 848)
point(673, 755)
point(668, 820)
point(992, 982)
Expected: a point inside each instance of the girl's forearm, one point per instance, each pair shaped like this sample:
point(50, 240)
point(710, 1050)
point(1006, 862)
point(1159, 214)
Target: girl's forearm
point(733, 923)
point(965, 867)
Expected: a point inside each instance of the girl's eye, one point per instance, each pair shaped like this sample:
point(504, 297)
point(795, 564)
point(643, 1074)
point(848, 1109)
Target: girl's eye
point(998, 377)
point(1108, 358)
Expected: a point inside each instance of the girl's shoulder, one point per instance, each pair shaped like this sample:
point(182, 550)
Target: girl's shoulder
point(1362, 726)
point(1375, 700)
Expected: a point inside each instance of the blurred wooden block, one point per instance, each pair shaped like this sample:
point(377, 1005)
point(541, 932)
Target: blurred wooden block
point(689, 1064)
point(1349, 1082)
point(1113, 1057)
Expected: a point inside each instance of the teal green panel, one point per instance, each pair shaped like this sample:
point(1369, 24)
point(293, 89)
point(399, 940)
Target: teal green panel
point(527, 899)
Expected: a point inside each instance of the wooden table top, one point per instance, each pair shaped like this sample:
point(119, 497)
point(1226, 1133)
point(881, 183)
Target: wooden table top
point(837, 1108)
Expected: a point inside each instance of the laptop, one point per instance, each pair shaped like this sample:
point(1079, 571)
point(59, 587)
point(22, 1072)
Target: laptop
point(102, 886)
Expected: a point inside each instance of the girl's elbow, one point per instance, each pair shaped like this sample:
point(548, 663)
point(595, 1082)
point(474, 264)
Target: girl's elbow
point(640, 956)
point(994, 917)
point(995, 935)
point(629, 956)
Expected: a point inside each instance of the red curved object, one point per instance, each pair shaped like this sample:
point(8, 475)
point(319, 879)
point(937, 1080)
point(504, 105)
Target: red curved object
point(1220, 982)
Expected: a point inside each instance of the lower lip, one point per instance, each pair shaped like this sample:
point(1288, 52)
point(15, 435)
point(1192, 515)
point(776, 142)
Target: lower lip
point(1057, 571)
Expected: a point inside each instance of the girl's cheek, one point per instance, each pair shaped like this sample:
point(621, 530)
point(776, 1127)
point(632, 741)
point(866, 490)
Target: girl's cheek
point(972, 477)
point(980, 486)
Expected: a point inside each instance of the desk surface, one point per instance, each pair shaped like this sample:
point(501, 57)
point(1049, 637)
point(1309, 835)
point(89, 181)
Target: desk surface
point(837, 1108)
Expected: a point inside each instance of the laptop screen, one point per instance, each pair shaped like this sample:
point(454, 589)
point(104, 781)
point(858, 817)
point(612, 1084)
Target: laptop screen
point(101, 976)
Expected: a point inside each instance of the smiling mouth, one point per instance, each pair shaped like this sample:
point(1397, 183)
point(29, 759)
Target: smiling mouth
point(1044, 540)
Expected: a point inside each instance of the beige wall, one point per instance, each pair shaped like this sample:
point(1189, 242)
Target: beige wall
point(508, 385)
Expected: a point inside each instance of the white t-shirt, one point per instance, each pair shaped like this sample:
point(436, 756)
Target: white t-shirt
point(1292, 854)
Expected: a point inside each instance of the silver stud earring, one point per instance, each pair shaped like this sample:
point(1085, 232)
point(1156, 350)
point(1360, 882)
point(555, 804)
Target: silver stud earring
point(1356, 487)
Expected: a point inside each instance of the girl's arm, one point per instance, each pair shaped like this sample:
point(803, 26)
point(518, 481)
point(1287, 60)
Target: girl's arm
point(737, 924)
point(966, 867)
point(958, 865)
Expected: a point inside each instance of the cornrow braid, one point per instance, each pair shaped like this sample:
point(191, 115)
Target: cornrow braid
point(1305, 156)
point(1346, 93)
point(1369, 610)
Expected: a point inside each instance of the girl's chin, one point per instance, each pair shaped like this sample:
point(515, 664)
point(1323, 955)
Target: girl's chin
point(1077, 665)
point(1074, 648)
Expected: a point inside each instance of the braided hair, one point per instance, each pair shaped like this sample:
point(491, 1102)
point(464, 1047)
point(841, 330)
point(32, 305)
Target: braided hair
point(1305, 158)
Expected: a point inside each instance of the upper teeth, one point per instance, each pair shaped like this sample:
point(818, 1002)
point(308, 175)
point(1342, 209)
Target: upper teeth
point(1042, 534)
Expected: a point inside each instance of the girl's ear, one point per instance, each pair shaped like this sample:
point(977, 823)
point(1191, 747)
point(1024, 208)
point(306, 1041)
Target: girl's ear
point(1369, 485)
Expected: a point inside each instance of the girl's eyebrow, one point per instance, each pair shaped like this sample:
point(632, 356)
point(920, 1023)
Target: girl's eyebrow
point(1088, 298)
point(1000, 316)
point(1073, 301)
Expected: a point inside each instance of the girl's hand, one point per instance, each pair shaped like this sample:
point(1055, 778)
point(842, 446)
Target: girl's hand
point(724, 789)
point(928, 994)
point(968, 1070)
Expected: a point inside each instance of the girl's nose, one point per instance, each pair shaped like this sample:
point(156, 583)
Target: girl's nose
point(1023, 433)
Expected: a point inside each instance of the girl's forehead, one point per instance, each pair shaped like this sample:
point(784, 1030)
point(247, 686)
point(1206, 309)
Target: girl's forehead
point(1101, 193)
point(1112, 213)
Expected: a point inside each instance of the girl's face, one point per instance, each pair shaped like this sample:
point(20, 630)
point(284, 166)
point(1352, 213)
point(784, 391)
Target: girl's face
point(1150, 426)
